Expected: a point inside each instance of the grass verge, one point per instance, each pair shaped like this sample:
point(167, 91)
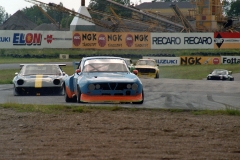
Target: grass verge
point(56, 109)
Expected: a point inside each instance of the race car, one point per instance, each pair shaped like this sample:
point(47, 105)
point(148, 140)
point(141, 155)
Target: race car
point(147, 68)
point(39, 79)
point(103, 79)
point(220, 74)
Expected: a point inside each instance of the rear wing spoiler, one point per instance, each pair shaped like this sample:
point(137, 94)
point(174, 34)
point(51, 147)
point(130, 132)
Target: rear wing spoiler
point(21, 65)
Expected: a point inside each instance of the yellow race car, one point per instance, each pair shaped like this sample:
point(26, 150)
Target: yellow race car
point(147, 68)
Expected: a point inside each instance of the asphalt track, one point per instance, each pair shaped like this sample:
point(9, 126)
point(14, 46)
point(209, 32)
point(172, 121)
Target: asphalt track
point(159, 93)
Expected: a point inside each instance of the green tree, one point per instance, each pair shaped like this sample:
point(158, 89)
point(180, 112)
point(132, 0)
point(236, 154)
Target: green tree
point(39, 16)
point(35, 15)
point(2, 14)
point(234, 8)
point(103, 6)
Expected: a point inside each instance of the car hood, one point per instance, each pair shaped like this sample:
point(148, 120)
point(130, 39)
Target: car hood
point(43, 76)
point(110, 77)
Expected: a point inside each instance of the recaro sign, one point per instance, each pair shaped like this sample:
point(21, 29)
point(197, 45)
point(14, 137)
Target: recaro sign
point(182, 40)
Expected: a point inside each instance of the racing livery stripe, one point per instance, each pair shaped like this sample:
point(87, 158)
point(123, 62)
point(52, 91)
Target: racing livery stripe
point(69, 92)
point(108, 98)
point(227, 35)
point(38, 81)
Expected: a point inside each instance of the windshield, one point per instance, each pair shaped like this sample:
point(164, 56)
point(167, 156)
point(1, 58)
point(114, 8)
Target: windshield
point(219, 72)
point(146, 62)
point(105, 65)
point(41, 69)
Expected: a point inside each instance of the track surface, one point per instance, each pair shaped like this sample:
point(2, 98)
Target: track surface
point(159, 93)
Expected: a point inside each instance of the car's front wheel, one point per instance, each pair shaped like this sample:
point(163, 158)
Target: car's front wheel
point(140, 102)
point(67, 99)
point(15, 92)
point(79, 93)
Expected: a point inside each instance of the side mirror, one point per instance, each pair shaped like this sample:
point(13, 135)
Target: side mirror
point(78, 70)
point(16, 73)
point(64, 73)
point(135, 71)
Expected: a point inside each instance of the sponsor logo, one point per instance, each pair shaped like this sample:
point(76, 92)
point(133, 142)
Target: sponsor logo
point(216, 61)
point(231, 60)
point(76, 39)
point(141, 38)
point(190, 60)
point(89, 37)
point(166, 61)
point(102, 40)
point(27, 39)
point(4, 39)
point(166, 40)
point(114, 37)
point(129, 40)
point(206, 62)
point(198, 40)
point(219, 40)
point(50, 38)
point(87, 40)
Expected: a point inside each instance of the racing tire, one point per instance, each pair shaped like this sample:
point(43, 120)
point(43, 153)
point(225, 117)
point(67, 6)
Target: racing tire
point(67, 99)
point(15, 92)
point(231, 79)
point(157, 75)
point(140, 102)
point(79, 93)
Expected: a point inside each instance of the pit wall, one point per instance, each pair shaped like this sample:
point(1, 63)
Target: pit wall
point(117, 40)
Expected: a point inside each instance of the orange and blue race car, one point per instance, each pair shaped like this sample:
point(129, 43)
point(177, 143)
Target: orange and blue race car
point(103, 79)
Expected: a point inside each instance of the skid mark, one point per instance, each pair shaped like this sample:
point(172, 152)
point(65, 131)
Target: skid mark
point(210, 98)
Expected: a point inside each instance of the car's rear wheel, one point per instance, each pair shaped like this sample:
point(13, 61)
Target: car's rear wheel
point(157, 75)
point(231, 79)
point(79, 93)
point(140, 102)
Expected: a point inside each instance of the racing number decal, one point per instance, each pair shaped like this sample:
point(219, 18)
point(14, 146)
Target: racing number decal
point(38, 81)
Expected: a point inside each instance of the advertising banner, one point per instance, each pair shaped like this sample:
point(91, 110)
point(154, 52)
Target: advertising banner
point(165, 61)
point(111, 40)
point(223, 40)
point(21, 39)
point(57, 39)
point(230, 59)
point(182, 40)
point(199, 60)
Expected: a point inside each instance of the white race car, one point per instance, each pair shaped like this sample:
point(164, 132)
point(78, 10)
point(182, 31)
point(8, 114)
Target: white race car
point(39, 79)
